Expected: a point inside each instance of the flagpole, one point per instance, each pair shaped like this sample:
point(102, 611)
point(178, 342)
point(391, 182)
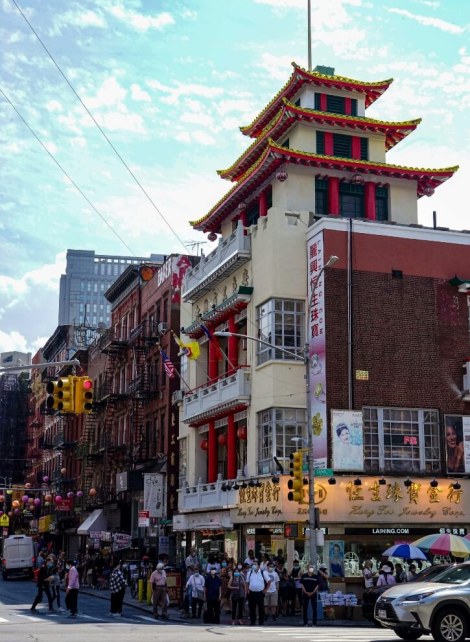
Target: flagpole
point(309, 36)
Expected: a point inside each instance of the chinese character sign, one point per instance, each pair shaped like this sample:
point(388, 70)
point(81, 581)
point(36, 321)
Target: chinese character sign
point(316, 349)
point(347, 440)
point(153, 494)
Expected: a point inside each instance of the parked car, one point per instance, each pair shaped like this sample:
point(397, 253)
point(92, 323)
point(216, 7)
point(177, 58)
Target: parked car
point(440, 606)
point(429, 573)
point(17, 556)
point(370, 596)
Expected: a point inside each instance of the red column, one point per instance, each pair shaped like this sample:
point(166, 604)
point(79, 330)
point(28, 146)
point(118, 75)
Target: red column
point(232, 346)
point(356, 147)
point(369, 201)
point(213, 361)
point(333, 196)
point(347, 106)
point(231, 448)
point(323, 105)
point(263, 204)
point(328, 144)
point(212, 454)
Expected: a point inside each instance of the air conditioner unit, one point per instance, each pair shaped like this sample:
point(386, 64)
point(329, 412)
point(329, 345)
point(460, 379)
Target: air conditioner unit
point(162, 327)
point(466, 376)
point(177, 397)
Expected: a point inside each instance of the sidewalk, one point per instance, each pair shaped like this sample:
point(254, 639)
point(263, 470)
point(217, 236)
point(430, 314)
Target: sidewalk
point(176, 615)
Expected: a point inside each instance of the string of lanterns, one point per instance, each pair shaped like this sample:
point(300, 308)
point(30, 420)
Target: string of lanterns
point(222, 438)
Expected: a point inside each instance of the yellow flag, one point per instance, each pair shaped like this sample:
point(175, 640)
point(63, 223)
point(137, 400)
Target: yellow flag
point(191, 350)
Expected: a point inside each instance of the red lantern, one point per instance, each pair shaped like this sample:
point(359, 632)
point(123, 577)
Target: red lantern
point(241, 433)
point(92, 492)
point(222, 439)
point(28, 485)
point(58, 499)
point(204, 445)
point(48, 498)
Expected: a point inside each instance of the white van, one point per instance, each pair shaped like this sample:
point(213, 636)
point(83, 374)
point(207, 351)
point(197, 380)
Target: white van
point(18, 556)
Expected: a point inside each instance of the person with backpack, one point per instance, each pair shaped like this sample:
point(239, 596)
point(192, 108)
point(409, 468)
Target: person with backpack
point(258, 582)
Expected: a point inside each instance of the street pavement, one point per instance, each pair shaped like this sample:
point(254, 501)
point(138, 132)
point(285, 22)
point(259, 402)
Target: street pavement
point(175, 614)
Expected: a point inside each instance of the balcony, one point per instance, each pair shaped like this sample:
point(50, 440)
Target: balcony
point(229, 255)
point(61, 443)
point(206, 496)
point(138, 388)
point(216, 399)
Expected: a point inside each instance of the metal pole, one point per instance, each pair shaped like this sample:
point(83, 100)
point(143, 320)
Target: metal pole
point(309, 37)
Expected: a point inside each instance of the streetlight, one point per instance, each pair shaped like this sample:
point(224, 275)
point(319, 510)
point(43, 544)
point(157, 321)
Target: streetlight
point(306, 360)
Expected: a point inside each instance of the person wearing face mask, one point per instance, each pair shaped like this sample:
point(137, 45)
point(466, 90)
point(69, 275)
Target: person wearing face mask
point(309, 583)
point(44, 576)
point(71, 592)
point(213, 595)
point(258, 582)
point(237, 588)
point(225, 571)
point(196, 588)
point(272, 593)
point(296, 574)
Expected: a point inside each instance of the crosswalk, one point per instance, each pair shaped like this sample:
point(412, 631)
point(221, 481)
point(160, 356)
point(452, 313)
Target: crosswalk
point(45, 617)
point(324, 634)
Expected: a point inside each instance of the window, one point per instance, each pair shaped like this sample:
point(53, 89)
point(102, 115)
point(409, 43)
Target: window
point(351, 200)
point(320, 142)
point(342, 145)
point(280, 322)
point(276, 428)
point(321, 196)
point(401, 440)
point(336, 104)
point(364, 148)
point(381, 203)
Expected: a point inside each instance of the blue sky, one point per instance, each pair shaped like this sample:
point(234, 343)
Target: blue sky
point(170, 82)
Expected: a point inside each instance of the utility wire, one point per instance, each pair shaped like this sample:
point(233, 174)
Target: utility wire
point(144, 191)
point(65, 172)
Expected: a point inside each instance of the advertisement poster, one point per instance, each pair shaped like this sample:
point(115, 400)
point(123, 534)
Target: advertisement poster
point(317, 422)
point(336, 558)
point(153, 494)
point(457, 443)
point(347, 440)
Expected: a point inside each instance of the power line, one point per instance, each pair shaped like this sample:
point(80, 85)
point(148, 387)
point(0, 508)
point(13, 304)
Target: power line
point(65, 172)
point(144, 191)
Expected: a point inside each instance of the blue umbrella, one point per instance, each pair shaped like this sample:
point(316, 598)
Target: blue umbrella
point(406, 551)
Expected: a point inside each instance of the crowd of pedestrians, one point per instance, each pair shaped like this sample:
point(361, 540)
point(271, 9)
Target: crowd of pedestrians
point(252, 590)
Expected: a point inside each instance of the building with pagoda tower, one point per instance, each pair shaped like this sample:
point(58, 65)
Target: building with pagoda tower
point(319, 243)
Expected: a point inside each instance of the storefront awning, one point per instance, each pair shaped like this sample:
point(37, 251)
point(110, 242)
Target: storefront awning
point(202, 522)
point(96, 521)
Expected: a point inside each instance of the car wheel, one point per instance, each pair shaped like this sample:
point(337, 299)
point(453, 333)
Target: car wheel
point(449, 626)
point(407, 635)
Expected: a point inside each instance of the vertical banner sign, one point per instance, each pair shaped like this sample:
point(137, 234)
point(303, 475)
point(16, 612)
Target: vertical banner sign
point(457, 438)
point(317, 422)
point(466, 443)
point(347, 440)
point(153, 494)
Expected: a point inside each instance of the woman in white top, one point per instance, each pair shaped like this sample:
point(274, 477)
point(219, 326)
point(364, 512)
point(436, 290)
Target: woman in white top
point(368, 575)
point(386, 577)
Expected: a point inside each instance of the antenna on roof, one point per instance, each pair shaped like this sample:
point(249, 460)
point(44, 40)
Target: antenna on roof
point(195, 244)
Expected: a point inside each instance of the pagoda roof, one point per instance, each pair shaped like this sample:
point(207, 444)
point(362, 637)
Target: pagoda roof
point(261, 173)
point(289, 114)
point(301, 77)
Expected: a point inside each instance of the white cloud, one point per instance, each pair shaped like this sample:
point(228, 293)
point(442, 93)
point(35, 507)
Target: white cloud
point(184, 89)
point(138, 94)
point(53, 105)
point(109, 94)
point(121, 121)
point(78, 141)
point(140, 21)
point(426, 21)
point(51, 147)
point(13, 341)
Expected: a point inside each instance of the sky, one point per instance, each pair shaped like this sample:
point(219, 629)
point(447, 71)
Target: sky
point(116, 114)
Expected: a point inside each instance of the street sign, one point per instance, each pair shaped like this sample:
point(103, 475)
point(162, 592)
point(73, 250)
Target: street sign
point(143, 518)
point(323, 472)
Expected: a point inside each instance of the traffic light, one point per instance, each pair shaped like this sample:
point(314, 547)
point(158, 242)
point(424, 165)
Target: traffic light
point(83, 395)
point(296, 484)
point(61, 396)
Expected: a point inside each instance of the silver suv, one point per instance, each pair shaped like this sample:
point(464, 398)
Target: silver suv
point(440, 607)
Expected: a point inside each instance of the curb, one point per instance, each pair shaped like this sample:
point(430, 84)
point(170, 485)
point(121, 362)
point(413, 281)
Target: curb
point(176, 617)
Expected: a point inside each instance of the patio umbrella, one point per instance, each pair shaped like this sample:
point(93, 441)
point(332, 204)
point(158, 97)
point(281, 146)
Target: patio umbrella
point(406, 551)
point(444, 544)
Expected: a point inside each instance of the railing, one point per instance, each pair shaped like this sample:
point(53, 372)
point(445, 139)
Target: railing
point(230, 253)
point(234, 388)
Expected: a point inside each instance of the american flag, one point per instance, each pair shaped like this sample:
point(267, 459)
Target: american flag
point(168, 364)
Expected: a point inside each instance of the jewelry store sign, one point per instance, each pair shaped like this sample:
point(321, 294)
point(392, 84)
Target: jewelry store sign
point(398, 501)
